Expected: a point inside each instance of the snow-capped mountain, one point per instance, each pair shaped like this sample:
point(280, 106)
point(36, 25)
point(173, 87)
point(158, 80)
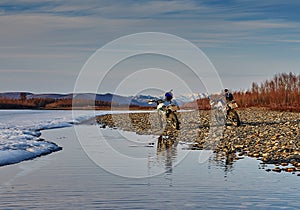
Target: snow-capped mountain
point(181, 99)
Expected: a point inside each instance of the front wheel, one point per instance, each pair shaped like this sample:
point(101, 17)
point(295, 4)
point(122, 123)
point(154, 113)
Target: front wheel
point(234, 118)
point(220, 117)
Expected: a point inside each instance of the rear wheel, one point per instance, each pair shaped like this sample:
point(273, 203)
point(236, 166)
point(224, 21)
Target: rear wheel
point(234, 118)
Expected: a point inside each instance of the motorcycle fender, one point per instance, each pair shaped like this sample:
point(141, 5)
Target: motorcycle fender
point(161, 107)
point(233, 105)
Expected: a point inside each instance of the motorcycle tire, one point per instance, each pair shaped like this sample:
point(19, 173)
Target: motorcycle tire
point(234, 118)
point(160, 120)
point(220, 118)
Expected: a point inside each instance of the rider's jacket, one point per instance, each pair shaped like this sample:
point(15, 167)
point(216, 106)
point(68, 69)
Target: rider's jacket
point(229, 96)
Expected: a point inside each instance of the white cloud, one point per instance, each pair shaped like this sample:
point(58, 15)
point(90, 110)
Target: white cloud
point(57, 33)
point(290, 40)
point(263, 24)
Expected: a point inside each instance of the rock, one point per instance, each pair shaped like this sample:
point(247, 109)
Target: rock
point(289, 169)
point(269, 135)
point(276, 169)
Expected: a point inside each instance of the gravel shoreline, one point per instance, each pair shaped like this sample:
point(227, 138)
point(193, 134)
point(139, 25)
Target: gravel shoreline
point(270, 136)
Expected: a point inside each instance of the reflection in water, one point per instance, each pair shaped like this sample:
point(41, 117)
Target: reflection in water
point(223, 160)
point(166, 152)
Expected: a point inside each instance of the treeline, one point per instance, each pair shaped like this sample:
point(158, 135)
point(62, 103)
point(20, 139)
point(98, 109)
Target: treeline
point(48, 103)
point(282, 93)
point(6, 103)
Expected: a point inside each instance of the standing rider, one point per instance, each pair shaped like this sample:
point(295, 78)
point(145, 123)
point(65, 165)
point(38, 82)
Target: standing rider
point(228, 95)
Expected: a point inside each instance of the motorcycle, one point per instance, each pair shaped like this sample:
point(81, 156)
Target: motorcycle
point(224, 112)
point(166, 113)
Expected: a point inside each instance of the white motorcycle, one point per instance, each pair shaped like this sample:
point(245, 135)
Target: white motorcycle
point(225, 111)
point(166, 113)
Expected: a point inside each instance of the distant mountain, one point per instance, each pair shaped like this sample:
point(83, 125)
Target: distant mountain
point(13, 95)
point(51, 96)
point(139, 100)
point(142, 100)
point(186, 98)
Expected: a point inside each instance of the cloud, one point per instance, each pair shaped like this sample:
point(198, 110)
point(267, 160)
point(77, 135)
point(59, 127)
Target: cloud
point(5, 55)
point(87, 26)
point(103, 8)
point(33, 71)
point(290, 40)
point(59, 33)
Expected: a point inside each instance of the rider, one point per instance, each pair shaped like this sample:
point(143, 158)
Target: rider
point(166, 102)
point(168, 96)
point(168, 99)
point(228, 95)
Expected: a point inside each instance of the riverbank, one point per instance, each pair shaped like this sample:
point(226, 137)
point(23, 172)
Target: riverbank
point(70, 180)
point(270, 136)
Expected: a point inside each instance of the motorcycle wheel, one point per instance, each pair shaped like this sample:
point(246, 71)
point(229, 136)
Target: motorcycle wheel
point(160, 119)
point(220, 117)
point(234, 118)
point(174, 120)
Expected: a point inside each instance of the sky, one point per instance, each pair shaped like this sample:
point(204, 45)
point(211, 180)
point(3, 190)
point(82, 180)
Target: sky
point(44, 45)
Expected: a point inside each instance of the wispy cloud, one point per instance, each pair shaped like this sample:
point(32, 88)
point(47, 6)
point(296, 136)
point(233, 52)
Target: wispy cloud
point(290, 40)
point(191, 18)
point(26, 71)
point(59, 33)
point(5, 55)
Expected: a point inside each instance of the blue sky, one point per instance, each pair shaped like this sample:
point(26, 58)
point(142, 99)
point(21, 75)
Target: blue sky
point(44, 44)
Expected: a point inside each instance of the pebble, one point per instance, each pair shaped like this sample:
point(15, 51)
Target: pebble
point(270, 136)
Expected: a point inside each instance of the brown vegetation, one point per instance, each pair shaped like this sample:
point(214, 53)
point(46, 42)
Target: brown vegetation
point(22, 103)
point(47, 103)
point(282, 92)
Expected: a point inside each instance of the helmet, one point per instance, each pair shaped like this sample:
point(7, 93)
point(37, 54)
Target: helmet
point(168, 96)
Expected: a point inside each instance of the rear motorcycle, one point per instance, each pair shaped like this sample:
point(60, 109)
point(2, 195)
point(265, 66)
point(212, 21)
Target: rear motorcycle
point(224, 112)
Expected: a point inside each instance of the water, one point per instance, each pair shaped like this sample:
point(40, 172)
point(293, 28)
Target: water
point(20, 131)
point(69, 179)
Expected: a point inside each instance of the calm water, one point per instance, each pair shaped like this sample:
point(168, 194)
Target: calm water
point(69, 179)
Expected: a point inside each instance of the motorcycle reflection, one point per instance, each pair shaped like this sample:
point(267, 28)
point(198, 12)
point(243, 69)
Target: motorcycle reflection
point(167, 152)
point(224, 161)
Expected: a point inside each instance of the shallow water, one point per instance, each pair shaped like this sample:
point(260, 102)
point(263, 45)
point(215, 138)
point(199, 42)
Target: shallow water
point(69, 179)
